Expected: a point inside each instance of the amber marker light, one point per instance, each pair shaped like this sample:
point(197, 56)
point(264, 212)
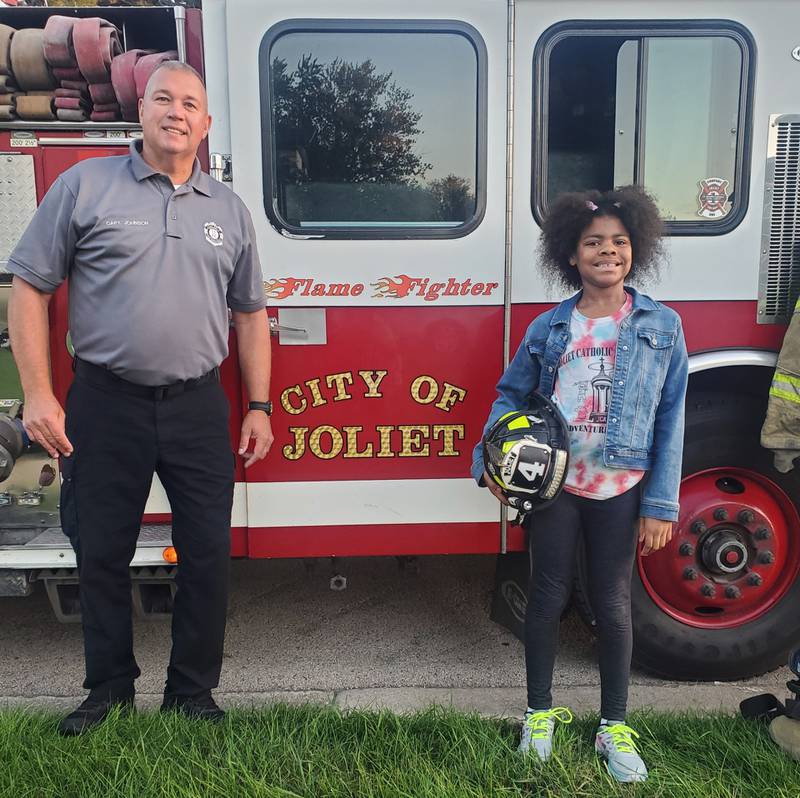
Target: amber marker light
point(170, 555)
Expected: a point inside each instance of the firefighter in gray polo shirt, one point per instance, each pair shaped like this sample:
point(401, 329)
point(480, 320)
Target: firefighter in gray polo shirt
point(155, 252)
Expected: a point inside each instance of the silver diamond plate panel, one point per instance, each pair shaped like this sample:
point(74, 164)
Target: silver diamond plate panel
point(150, 535)
point(17, 200)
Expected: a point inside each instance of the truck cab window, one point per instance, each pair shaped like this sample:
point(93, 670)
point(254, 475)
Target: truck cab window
point(372, 131)
point(657, 108)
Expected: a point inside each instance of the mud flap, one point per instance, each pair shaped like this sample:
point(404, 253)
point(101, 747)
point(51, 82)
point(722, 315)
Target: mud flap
point(509, 597)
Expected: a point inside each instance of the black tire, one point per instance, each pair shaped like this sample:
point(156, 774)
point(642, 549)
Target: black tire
point(721, 431)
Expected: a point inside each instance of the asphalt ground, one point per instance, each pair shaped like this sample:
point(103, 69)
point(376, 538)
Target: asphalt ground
point(395, 637)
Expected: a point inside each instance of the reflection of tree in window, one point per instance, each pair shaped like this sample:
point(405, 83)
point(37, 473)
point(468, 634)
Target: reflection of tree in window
point(345, 138)
point(453, 197)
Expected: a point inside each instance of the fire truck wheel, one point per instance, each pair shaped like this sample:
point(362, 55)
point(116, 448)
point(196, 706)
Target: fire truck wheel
point(720, 601)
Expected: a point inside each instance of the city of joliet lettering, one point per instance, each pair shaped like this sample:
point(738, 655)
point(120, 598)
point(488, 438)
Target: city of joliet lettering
point(351, 441)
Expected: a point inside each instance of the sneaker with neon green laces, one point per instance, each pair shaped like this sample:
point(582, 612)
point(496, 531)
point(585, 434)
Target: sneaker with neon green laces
point(614, 743)
point(537, 731)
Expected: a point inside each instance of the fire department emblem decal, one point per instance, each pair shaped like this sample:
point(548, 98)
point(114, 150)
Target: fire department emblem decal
point(213, 234)
point(712, 198)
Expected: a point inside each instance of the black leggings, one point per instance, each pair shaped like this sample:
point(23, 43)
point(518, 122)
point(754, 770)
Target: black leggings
point(609, 532)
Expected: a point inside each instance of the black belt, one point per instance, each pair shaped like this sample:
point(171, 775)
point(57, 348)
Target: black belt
point(103, 378)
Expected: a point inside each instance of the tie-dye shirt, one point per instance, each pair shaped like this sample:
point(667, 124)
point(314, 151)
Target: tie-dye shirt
point(582, 393)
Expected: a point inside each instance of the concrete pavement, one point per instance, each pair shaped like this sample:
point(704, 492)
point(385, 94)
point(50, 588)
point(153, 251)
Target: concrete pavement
point(400, 638)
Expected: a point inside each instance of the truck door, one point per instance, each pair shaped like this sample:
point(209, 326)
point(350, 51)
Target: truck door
point(369, 147)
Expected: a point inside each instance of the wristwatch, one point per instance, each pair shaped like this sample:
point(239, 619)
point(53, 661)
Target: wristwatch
point(265, 406)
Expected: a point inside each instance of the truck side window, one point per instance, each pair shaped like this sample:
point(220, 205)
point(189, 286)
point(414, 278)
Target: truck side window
point(661, 107)
point(372, 133)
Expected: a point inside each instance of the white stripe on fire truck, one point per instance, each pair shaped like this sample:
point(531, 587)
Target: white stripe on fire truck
point(355, 503)
point(157, 503)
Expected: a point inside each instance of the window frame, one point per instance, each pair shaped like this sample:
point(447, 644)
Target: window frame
point(642, 30)
point(373, 231)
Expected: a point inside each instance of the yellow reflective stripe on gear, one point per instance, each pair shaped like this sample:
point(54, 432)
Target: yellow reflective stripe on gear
point(782, 376)
point(507, 446)
point(519, 423)
point(790, 397)
point(786, 387)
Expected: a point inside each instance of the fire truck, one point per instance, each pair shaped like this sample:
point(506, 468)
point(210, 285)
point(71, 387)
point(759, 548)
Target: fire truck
point(397, 159)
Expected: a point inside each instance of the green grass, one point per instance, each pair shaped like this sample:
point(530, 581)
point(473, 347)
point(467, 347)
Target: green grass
point(284, 752)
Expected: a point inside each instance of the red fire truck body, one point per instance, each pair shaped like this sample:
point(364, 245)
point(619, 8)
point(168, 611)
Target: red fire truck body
point(397, 160)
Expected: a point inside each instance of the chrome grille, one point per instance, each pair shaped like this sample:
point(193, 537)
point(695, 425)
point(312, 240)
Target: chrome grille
point(779, 276)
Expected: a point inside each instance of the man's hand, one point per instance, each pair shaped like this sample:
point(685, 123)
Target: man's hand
point(654, 534)
point(256, 426)
point(495, 489)
point(43, 418)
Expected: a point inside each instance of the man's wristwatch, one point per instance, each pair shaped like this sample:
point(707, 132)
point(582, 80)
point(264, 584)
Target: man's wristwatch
point(265, 406)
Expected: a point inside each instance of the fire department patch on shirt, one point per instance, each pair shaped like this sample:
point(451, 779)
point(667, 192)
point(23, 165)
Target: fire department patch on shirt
point(213, 234)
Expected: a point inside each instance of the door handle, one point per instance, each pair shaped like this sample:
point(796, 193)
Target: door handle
point(276, 328)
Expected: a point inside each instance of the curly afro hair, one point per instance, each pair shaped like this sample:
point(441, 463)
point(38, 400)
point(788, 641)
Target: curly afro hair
point(572, 213)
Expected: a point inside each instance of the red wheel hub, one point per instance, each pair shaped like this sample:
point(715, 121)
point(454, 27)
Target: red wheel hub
point(734, 553)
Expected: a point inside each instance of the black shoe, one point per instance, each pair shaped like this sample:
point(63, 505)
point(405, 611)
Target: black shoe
point(90, 713)
point(196, 707)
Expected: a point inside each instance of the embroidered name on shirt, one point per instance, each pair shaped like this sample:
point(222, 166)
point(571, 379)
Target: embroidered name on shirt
point(127, 222)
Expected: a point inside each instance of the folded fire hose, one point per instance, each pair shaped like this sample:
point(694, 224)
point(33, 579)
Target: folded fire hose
point(122, 78)
point(59, 52)
point(6, 32)
point(82, 60)
point(31, 70)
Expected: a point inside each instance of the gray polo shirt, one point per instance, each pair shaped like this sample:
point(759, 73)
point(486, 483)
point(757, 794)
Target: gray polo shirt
point(152, 269)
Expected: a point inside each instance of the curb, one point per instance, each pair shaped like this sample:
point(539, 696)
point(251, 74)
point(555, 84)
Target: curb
point(507, 702)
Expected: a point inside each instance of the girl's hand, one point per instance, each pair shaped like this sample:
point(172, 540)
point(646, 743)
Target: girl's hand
point(654, 534)
point(494, 489)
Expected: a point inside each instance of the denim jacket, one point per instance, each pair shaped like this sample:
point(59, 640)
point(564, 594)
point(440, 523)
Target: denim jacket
point(646, 411)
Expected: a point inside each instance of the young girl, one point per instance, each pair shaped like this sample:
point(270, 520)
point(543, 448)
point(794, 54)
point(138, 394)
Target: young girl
point(615, 363)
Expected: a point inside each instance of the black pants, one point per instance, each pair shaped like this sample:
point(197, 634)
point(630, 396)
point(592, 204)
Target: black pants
point(610, 535)
point(120, 440)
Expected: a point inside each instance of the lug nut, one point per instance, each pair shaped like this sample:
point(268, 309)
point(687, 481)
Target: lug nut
point(707, 590)
point(720, 514)
point(732, 592)
point(690, 574)
point(746, 517)
point(762, 533)
point(686, 550)
point(766, 558)
point(699, 526)
point(754, 579)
